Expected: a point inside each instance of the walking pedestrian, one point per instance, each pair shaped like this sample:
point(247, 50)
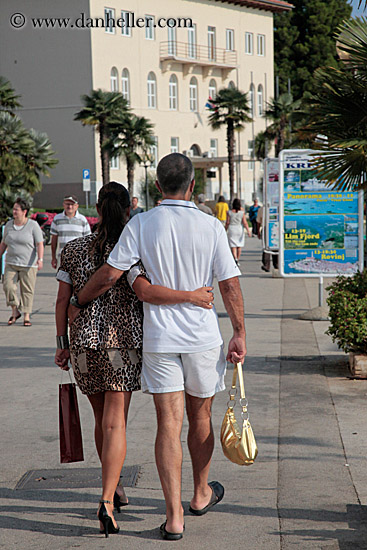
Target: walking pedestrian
point(67, 226)
point(106, 340)
point(221, 209)
point(135, 209)
point(267, 257)
point(23, 241)
point(183, 357)
point(253, 216)
point(235, 225)
point(202, 206)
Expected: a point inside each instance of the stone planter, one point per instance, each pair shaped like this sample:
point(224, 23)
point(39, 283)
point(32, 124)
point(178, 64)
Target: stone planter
point(358, 365)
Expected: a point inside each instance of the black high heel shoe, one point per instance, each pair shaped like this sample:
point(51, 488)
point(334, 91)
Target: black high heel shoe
point(117, 502)
point(106, 520)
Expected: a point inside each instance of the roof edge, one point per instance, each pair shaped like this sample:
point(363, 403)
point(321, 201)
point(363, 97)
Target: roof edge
point(275, 6)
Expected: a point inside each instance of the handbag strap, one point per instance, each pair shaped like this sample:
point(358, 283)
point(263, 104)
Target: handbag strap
point(237, 370)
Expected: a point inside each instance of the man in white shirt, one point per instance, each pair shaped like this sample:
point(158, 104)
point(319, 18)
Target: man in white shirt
point(67, 226)
point(181, 248)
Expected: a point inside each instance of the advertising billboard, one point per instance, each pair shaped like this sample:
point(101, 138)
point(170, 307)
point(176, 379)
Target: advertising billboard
point(321, 229)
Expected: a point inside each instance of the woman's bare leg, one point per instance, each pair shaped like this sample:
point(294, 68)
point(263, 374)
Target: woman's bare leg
point(115, 410)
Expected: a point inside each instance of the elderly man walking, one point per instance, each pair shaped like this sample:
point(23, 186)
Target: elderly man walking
point(183, 359)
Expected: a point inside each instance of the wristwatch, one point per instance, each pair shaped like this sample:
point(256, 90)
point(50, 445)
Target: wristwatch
point(74, 302)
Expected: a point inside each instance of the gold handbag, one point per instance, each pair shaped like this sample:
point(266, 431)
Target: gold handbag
point(238, 446)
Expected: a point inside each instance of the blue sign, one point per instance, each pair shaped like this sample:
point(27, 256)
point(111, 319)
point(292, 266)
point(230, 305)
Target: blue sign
point(321, 229)
point(86, 174)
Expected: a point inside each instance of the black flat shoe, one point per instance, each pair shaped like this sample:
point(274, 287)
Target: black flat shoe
point(217, 495)
point(166, 535)
point(106, 520)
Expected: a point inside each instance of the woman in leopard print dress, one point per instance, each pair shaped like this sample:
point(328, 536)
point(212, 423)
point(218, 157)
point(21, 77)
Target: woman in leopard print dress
point(106, 338)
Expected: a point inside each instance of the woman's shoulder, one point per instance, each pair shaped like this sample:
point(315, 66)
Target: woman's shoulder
point(77, 247)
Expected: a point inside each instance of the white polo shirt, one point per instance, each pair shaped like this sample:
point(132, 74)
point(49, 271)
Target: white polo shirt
point(181, 248)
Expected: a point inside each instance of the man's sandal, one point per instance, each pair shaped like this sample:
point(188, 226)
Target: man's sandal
point(217, 495)
point(27, 324)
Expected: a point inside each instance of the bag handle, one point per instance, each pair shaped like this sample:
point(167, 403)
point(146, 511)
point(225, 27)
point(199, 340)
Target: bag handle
point(237, 370)
point(62, 372)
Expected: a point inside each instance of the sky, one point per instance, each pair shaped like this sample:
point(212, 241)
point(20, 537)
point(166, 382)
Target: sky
point(356, 11)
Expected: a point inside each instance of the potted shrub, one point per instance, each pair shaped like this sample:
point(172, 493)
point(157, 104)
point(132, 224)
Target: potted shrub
point(347, 303)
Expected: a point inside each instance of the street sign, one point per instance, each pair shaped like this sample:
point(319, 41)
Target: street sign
point(86, 180)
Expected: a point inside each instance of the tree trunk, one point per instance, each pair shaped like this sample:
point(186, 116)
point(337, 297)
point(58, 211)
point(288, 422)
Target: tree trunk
point(230, 149)
point(130, 177)
point(281, 138)
point(105, 161)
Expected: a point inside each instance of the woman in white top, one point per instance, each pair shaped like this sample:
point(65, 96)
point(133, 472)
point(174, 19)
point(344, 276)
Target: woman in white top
point(235, 224)
point(23, 241)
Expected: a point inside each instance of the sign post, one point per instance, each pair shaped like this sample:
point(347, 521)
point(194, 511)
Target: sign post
point(86, 185)
point(321, 230)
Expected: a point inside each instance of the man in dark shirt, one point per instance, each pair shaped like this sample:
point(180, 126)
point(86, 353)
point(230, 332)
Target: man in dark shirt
point(135, 209)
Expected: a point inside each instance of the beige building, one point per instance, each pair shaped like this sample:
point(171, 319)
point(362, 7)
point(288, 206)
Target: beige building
point(167, 58)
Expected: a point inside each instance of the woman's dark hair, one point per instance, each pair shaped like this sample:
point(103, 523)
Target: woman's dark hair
point(221, 199)
point(113, 199)
point(236, 205)
point(23, 204)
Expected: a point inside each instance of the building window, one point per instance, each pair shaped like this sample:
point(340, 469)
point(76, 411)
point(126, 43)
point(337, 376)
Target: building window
point(230, 40)
point(211, 44)
point(249, 43)
point(125, 84)
point(260, 100)
point(174, 145)
point(250, 152)
point(109, 20)
point(115, 163)
point(149, 27)
point(213, 148)
point(261, 44)
point(154, 152)
point(114, 80)
point(152, 91)
point(231, 85)
point(212, 89)
point(172, 47)
point(193, 94)
point(126, 17)
point(251, 102)
point(192, 42)
point(173, 93)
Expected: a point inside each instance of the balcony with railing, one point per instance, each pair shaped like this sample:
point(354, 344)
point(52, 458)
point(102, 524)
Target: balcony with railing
point(190, 54)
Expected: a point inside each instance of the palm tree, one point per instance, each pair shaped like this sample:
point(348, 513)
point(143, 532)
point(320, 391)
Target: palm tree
point(280, 112)
point(231, 109)
point(100, 110)
point(131, 136)
point(24, 156)
point(338, 112)
point(8, 98)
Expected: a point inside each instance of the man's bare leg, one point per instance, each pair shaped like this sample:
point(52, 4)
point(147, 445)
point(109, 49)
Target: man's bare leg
point(168, 454)
point(200, 441)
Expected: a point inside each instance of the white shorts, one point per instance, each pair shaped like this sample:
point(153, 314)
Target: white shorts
point(199, 374)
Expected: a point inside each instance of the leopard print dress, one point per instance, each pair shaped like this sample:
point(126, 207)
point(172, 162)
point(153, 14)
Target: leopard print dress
point(106, 338)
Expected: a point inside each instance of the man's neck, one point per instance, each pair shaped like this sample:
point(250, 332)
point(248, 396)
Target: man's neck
point(185, 197)
point(69, 215)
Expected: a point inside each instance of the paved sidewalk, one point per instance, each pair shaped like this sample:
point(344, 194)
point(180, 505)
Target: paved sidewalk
point(307, 489)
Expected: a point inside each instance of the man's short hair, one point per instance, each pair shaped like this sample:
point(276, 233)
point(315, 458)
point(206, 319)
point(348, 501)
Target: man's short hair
point(201, 197)
point(175, 172)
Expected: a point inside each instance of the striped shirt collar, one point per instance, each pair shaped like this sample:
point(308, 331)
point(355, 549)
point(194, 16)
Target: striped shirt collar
point(174, 202)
